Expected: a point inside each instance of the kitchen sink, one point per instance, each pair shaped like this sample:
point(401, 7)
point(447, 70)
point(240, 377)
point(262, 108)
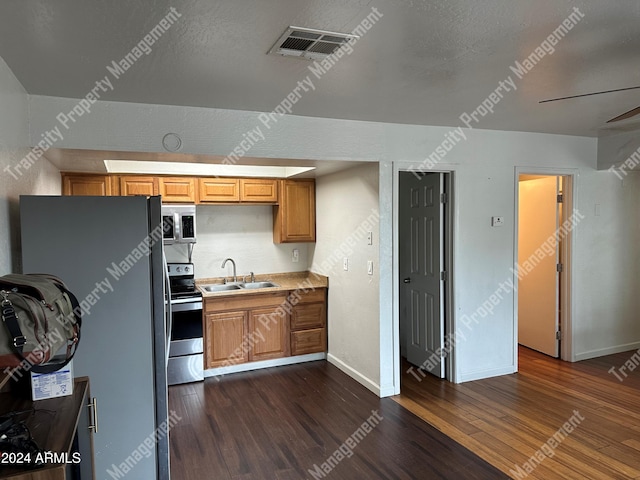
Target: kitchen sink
point(258, 285)
point(220, 287)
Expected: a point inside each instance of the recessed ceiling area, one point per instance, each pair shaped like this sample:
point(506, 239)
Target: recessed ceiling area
point(423, 62)
point(103, 161)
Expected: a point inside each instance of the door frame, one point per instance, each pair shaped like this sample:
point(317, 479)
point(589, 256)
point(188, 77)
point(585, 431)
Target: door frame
point(450, 234)
point(566, 284)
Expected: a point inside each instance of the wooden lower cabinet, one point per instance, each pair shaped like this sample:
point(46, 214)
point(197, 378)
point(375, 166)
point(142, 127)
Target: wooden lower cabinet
point(309, 325)
point(251, 328)
point(225, 336)
point(268, 333)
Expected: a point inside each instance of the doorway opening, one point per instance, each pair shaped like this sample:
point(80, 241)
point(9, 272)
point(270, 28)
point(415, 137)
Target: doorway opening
point(424, 266)
point(543, 255)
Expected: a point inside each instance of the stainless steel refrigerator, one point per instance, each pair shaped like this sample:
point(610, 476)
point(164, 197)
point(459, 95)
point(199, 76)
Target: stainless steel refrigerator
point(98, 246)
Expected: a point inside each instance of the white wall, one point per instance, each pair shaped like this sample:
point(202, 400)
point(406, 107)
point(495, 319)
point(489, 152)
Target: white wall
point(244, 233)
point(41, 178)
point(484, 175)
point(607, 274)
point(344, 202)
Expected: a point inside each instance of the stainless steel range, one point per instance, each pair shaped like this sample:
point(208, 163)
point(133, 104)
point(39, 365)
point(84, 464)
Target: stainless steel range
point(186, 362)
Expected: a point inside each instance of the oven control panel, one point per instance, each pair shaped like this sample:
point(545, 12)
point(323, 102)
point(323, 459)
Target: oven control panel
point(180, 269)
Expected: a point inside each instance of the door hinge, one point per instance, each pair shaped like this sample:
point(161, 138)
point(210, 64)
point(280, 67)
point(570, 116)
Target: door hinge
point(558, 335)
point(559, 268)
point(443, 353)
point(443, 275)
point(560, 198)
point(443, 198)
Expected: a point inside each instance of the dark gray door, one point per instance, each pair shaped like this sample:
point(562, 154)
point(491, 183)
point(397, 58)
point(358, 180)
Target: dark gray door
point(421, 266)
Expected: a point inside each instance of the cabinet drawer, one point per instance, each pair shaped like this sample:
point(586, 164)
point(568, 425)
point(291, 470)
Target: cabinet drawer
point(308, 341)
point(310, 315)
point(243, 301)
point(317, 295)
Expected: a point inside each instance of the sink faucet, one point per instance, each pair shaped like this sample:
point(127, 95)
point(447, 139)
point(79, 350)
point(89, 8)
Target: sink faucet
point(235, 276)
point(252, 277)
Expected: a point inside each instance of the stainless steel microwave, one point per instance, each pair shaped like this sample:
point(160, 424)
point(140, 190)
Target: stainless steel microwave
point(179, 224)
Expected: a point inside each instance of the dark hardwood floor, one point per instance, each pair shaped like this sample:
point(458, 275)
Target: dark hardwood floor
point(506, 420)
point(280, 423)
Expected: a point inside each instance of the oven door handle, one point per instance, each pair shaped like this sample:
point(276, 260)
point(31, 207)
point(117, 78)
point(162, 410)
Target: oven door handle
point(168, 319)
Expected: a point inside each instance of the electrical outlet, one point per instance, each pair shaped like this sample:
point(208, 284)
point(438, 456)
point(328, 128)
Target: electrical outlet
point(369, 238)
point(370, 267)
point(497, 221)
point(295, 255)
point(345, 263)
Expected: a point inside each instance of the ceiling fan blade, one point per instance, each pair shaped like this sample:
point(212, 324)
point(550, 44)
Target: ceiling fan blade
point(588, 94)
point(624, 116)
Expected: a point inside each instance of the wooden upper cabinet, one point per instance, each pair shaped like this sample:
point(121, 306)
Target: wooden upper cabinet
point(177, 189)
point(219, 190)
point(138, 185)
point(85, 184)
point(294, 219)
point(258, 190)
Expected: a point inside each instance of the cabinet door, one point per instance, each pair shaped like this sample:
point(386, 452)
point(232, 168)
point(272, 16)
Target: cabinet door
point(138, 185)
point(225, 339)
point(218, 190)
point(268, 334)
point(295, 216)
point(177, 189)
point(96, 185)
point(308, 341)
point(311, 315)
point(258, 190)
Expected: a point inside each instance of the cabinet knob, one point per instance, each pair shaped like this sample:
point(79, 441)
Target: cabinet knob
point(407, 280)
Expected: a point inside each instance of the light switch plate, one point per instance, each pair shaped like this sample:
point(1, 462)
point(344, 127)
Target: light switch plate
point(497, 221)
point(369, 238)
point(295, 255)
point(345, 263)
point(370, 267)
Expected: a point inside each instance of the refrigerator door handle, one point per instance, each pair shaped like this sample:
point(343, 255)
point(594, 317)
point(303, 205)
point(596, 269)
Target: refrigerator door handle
point(177, 227)
point(168, 314)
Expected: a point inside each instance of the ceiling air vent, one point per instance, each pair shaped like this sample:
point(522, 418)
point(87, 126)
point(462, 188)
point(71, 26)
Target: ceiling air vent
point(310, 44)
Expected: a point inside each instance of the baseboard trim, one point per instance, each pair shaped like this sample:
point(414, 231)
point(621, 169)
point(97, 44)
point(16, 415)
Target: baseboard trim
point(601, 352)
point(482, 374)
point(276, 362)
point(357, 376)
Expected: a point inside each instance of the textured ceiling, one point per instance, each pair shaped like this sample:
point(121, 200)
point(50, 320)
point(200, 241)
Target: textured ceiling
point(424, 62)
